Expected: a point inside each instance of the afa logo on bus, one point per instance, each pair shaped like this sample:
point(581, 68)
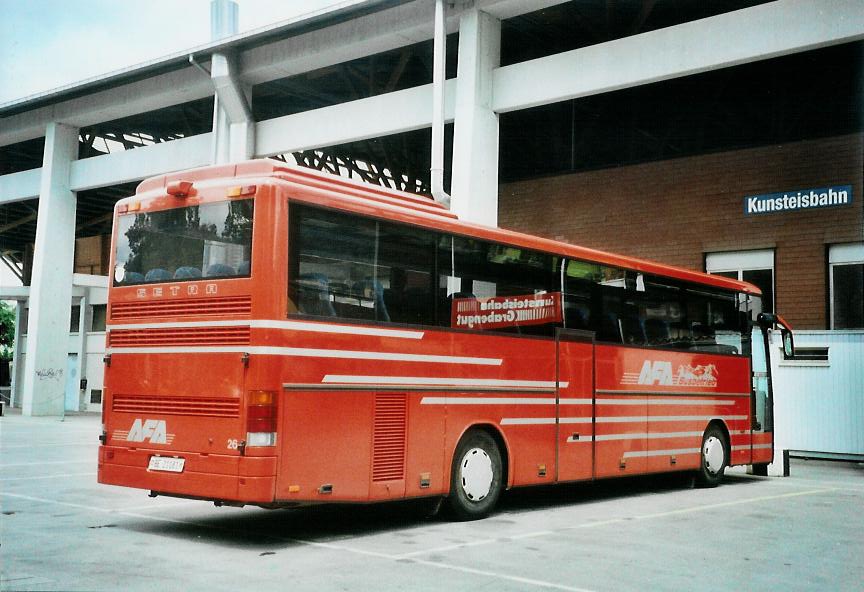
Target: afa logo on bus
point(659, 372)
point(155, 430)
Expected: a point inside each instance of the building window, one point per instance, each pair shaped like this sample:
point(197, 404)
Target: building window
point(846, 277)
point(756, 267)
point(96, 397)
point(75, 319)
point(99, 313)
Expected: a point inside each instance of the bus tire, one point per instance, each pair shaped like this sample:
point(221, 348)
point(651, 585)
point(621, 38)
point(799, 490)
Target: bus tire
point(714, 457)
point(476, 476)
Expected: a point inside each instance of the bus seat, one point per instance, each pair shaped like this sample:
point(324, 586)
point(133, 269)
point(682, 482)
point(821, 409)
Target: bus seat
point(158, 275)
point(373, 289)
point(220, 270)
point(609, 328)
point(657, 331)
point(133, 277)
point(577, 317)
point(313, 295)
point(187, 272)
point(633, 329)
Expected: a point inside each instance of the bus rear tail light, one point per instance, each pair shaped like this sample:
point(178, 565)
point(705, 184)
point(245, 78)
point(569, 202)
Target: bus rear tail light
point(261, 417)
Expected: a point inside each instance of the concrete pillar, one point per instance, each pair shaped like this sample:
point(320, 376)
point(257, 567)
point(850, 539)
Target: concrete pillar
point(51, 287)
point(474, 189)
point(233, 126)
point(17, 359)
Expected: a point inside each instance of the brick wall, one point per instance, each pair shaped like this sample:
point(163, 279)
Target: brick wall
point(676, 211)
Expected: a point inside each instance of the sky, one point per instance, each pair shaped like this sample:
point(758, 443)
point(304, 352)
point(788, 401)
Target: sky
point(46, 44)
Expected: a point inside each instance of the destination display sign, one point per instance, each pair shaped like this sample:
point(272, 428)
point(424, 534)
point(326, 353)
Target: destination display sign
point(506, 311)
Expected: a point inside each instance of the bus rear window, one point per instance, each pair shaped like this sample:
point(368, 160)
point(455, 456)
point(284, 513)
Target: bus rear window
point(208, 241)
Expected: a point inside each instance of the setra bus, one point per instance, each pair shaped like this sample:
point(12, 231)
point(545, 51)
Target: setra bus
point(281, 337)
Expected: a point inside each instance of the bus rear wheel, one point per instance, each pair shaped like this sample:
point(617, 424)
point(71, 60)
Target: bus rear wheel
point(714, 456)
point(476, 476)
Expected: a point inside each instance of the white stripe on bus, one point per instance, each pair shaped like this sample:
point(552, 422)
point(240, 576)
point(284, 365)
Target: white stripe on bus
point(543, 420)
point(665, 402)
point(528, 421)
point(646, 453)
point(754, 446)
point(310, 353)
point(650, 418)
point(486, 401)
point(651, 436)
point(274, 324)
point(547, 420)
point(436, 381)
point(331, 328)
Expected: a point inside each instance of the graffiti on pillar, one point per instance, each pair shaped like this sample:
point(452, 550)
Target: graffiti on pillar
point(49, 373)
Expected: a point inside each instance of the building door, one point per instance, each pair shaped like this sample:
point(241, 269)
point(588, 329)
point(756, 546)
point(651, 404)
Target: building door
point(575, 404)
point(71, 399)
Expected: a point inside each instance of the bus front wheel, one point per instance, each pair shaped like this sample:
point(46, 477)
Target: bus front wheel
point(714, 457)
point(476, 477)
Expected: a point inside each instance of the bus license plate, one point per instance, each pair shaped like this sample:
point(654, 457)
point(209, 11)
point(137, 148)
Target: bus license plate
point(165, 463)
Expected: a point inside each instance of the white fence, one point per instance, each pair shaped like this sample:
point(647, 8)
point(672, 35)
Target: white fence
point(819, 406)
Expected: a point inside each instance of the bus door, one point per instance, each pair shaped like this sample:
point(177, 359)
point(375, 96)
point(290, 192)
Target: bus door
point(575, 404)
point(621, 411)
point(762, 395)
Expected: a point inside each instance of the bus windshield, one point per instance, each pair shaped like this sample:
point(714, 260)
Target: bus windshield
point(208, 240)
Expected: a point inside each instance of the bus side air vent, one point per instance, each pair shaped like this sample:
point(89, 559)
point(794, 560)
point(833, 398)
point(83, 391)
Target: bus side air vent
point(196, 307)
point(388, 439)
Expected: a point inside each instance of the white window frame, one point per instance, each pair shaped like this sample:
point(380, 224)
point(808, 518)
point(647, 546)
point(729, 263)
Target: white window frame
point(741, 261)
point(842, 254)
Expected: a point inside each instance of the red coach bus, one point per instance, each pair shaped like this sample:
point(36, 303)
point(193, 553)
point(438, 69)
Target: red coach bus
point(281, 337)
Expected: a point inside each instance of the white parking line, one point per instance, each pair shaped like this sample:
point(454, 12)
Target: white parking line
point(412, 557)
point(500, 576)
point(541, 533)
point(48, 477)
point(50, 462)
point(330, 546)
point(52, 445)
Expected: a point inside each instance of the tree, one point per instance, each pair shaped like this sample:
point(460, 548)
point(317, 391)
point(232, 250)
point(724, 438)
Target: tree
point(7, 331)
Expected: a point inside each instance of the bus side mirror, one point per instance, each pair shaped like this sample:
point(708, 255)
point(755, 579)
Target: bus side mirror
point(788, 343)
point(767, 321)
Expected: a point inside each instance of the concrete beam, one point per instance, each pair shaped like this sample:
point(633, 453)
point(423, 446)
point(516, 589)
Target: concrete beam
point(387, 114)
point(761, 32)
point(20, 186)
point(380, 31)
point(374, 33)
point(157, 92)
point(367, 35)
point(140, 163)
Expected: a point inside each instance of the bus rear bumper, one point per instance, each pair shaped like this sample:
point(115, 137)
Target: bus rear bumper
point(243, 479)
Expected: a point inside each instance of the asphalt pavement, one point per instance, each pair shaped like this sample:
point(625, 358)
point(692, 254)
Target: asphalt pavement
point(60, 530)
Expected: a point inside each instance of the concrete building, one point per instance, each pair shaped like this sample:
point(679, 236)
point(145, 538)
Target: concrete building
point(654, 129)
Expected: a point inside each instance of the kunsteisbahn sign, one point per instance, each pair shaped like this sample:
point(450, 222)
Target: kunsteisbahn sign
point(799, 199)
